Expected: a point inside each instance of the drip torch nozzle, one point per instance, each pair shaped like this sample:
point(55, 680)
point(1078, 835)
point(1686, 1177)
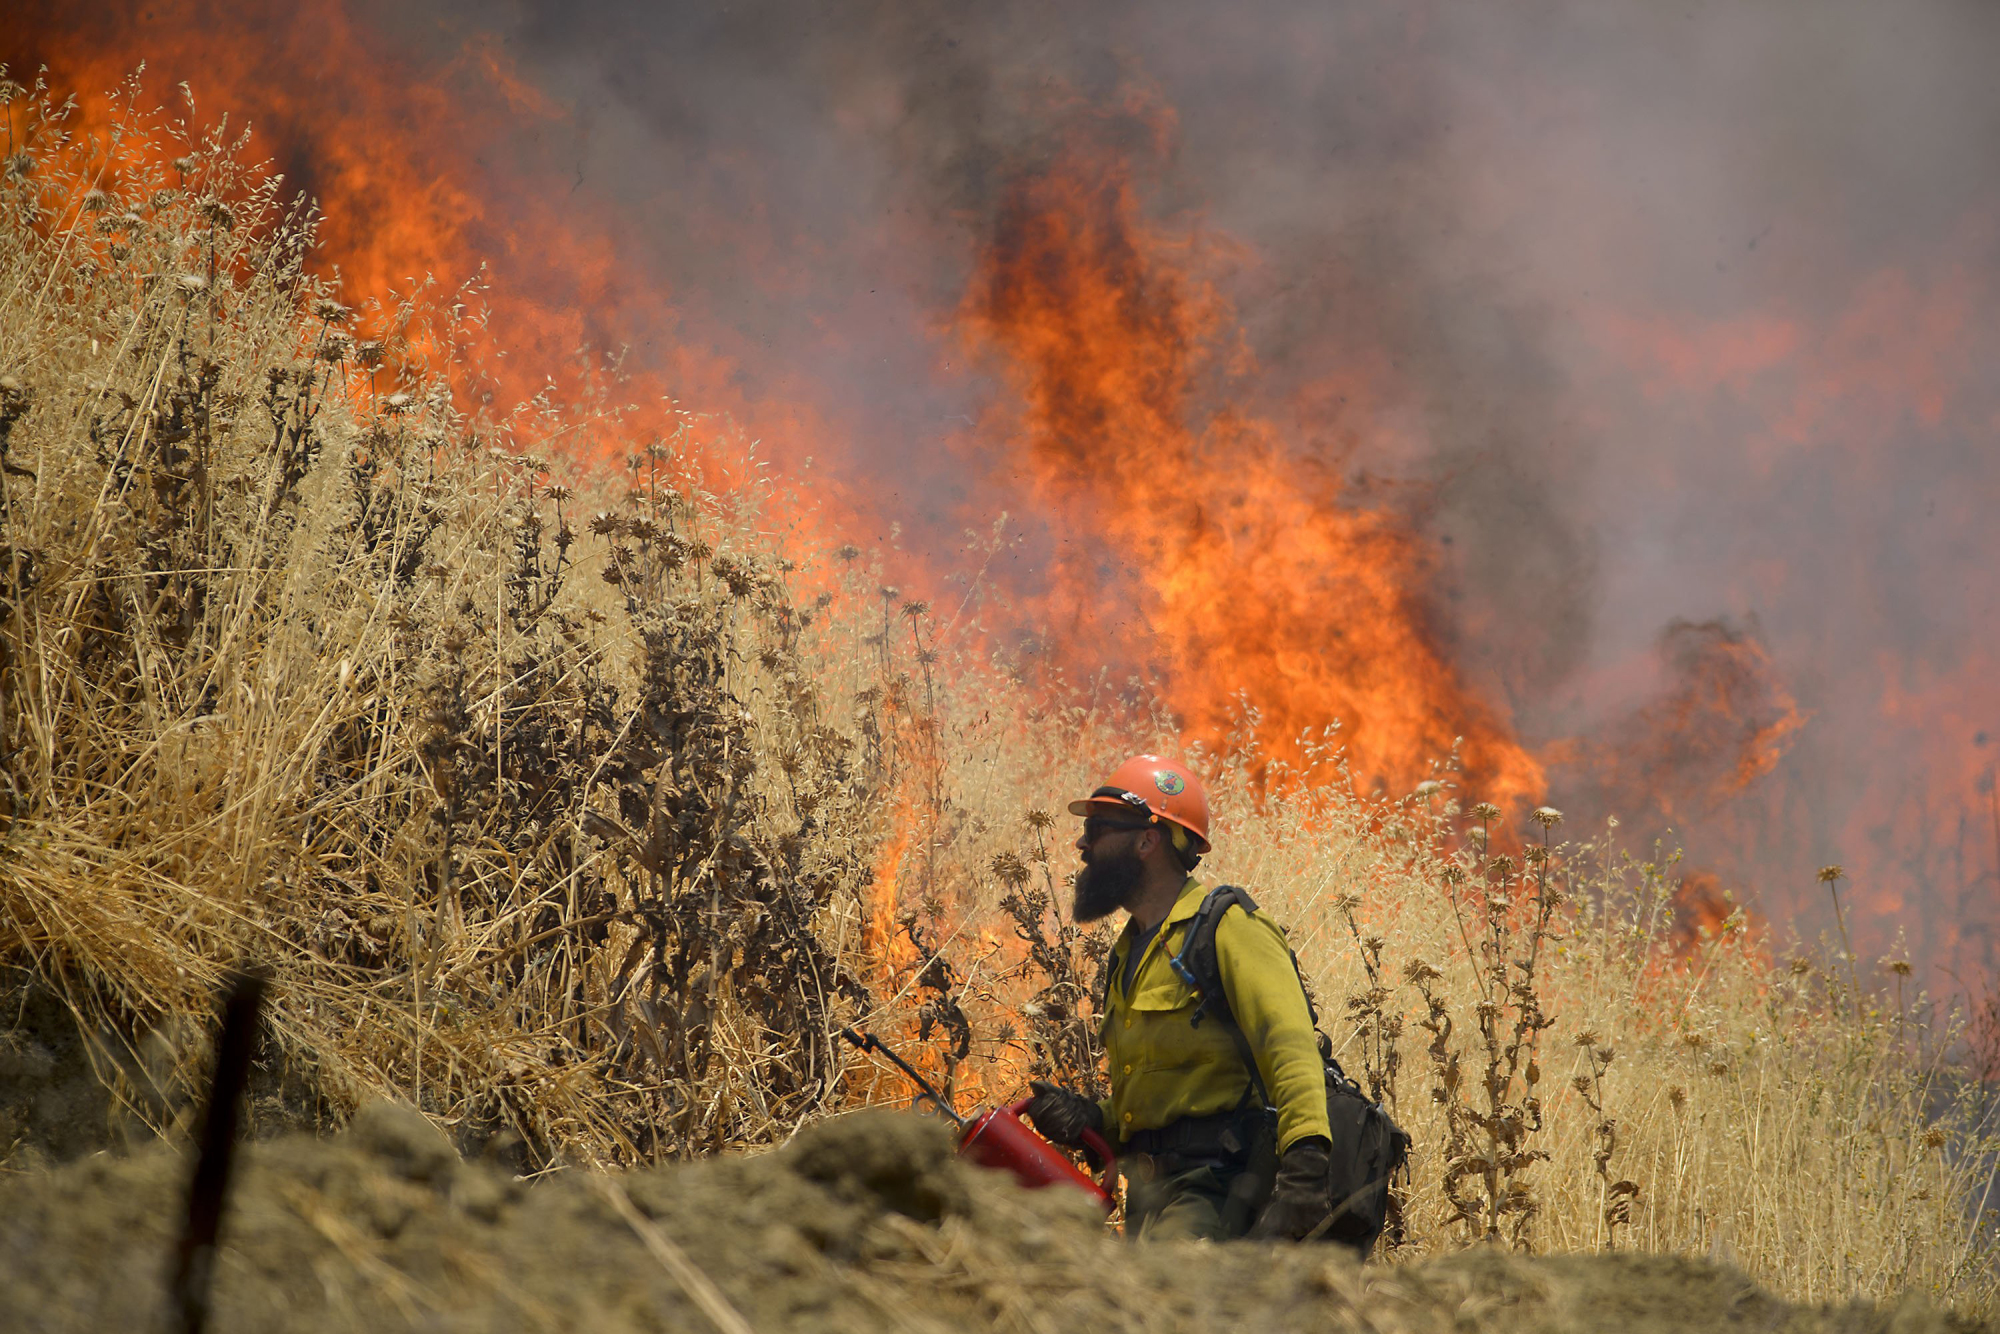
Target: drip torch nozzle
point(869, 1042)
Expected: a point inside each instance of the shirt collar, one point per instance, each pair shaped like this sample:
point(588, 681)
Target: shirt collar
point(1189, 903)
point(1186, 906)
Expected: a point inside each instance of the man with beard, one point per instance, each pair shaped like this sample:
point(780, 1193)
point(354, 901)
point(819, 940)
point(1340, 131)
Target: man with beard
point(1209, 1146)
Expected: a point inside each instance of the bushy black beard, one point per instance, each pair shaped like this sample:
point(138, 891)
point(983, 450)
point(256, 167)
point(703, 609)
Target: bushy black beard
point(1105, 884)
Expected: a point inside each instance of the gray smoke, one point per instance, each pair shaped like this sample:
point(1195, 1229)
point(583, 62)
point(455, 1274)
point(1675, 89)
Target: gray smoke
point(1687, 314)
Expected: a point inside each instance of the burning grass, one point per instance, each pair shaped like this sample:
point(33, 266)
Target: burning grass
point(581, 821)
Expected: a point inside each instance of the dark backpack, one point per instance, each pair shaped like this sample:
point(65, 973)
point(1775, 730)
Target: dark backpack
point(1368, 1147)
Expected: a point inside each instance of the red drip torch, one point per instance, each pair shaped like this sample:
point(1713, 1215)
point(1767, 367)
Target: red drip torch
point(1000, 1139)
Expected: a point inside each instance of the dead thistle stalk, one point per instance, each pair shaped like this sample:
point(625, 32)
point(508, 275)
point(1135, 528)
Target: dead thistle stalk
point(1830, 877)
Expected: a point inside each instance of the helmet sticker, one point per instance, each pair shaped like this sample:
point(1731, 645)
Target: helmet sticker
point(1169, 782)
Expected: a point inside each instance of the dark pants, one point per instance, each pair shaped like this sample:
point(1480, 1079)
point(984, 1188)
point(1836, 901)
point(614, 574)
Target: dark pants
point(1187, 1195)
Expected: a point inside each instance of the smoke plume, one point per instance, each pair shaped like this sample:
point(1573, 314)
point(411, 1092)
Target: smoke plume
point(1631, 363)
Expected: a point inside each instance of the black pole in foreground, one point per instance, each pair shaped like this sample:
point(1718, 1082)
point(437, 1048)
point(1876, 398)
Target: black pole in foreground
point(194, 1261)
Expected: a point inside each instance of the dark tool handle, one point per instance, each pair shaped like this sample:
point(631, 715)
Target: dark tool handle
point(194, 1261)
point(1100, 1146)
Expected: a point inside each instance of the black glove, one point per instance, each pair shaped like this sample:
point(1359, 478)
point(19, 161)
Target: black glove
point(1302, 1196)
point(1062, 1116)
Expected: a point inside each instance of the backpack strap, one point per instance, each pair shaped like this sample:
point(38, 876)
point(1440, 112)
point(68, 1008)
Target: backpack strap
point(1196, 962)
point(1197, 965)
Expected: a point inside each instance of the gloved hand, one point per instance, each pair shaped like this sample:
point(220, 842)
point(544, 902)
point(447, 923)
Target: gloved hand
point(1062, 1116)
point(1301, 1198)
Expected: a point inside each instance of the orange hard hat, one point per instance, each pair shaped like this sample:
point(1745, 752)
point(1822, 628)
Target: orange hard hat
point(1165, 789)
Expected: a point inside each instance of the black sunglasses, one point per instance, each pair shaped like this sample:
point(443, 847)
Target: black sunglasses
point(1096, 826)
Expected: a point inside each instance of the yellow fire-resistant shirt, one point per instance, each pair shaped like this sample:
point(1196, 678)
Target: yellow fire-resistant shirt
point(1163, 1067)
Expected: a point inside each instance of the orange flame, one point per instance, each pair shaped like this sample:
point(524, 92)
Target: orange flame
point(1726, 720)
point(1247, 576)
point(423, 171)
point(1193, 547)
point(1838, 412)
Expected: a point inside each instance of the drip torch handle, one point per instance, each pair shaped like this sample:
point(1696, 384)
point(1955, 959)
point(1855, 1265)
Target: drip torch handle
point(1100, 1146)
point(1092, 1141)
point(869, 1042)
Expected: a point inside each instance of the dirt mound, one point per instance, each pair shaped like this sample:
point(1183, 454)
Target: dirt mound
point(865, 1222)
point(68, 1089)
point(54, 1103)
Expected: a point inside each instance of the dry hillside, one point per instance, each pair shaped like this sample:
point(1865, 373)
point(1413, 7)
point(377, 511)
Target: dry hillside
point(575, 804)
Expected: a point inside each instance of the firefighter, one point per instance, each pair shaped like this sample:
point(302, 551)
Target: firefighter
point(1202, 1154)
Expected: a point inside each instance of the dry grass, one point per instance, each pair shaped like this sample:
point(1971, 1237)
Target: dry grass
point(589, 830)
point(1697, 1098)
point(1580, 1072)
point(544, 830)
